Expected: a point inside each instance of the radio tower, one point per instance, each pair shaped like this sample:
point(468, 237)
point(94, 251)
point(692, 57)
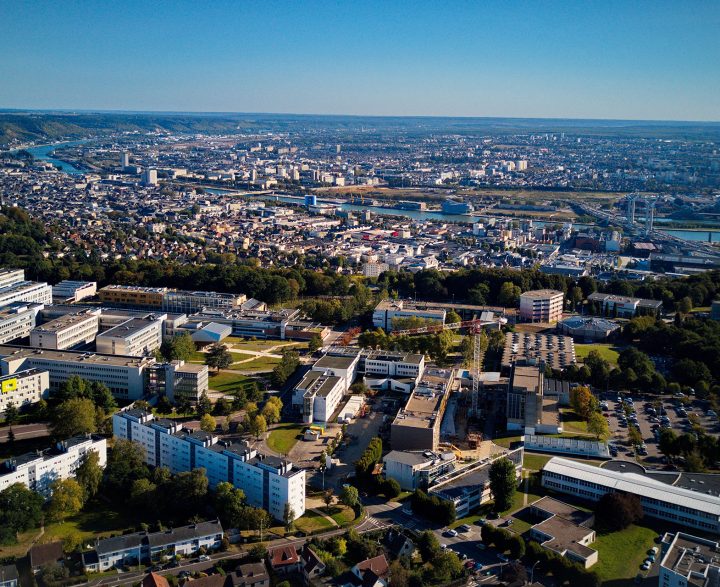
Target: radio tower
point(476, 331)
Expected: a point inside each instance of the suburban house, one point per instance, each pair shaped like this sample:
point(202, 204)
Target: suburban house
point(284, 559)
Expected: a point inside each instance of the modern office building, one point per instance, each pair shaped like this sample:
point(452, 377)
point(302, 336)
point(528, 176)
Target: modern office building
point(281, 324)
point(124, 376)
point(268, 482)
point(69, 291)
point(417, 469)
point(23, 388)
point(135, 337)
point(388, 310)
point(692, 509)
point(67, 332)
point(37, 470)
point(187, 302)
point(318, 395)
point(344, 367)
point(144, 547)
point(397, 371)
point(133, 296)
point(17, 319)
point(528, 410)
point(26, 291)
point(550, 349)
point(417, 425)
point(688, 561)
point(624, 306)
point(541, 305)
point(186, 381)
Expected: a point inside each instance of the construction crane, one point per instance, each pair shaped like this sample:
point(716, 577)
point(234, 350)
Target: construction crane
point(475, 328)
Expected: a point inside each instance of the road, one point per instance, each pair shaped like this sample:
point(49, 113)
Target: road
point(25, 431)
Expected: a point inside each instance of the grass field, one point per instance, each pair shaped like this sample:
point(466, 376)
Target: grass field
point(621, 553)
point(572, 424)
point(607, 351)
point(229, 382)
point(284, 436)
point(312, 522)
point(342, 515)
point(536, 462)
point(198, 357)
point(507, 441)
point(258, 364)
point(262, 345)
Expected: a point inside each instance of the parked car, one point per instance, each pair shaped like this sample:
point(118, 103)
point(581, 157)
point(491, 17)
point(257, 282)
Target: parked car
point(450, 533)
point(464, 528)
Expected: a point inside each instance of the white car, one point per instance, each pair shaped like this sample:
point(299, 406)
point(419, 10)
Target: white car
point(203, 557)
point(645, 566)
point(451, 533)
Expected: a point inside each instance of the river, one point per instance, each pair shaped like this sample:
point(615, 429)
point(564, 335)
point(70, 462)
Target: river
point(45, 153)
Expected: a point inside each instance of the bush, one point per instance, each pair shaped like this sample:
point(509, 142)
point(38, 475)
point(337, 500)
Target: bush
point(616, 511)
point(433, 508)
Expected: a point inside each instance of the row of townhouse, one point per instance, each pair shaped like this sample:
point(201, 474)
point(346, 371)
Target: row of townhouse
point(268, 482)
point(142, 547)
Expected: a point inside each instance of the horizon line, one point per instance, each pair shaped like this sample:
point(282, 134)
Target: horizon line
point(12, 110)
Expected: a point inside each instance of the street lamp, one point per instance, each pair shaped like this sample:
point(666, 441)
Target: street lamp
point(532, 572)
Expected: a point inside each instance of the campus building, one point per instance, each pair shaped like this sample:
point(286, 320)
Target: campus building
point(318, 395)
point(624, 306)
point(692, 509)
point(417, 469)
point(17, 320)
point(23, 388)
point(135, 337)
point(397, 371)
point(70, 292)
point(388, 310)
point(688, 561)
point(528, 409)
point(268, 482)
point(26, 291)
point(541, 305)
point(38, 470)
point(133, 296)
point(66, 332)
point(588, 329)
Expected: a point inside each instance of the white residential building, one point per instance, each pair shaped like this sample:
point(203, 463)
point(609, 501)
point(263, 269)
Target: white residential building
point(678, 505)
point(135, 337)
point(66, 332)
point(23, 388)
point(37, 470)
point(268, 482)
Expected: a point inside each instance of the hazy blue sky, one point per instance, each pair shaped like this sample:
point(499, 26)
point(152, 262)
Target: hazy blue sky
point(605, 59)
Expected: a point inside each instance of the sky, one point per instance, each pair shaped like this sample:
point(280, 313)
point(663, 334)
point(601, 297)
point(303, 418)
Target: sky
point(629, 59)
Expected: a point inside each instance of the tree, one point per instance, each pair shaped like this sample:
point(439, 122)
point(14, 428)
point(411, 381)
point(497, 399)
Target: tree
point(20, 511)
point(349, 496)
point(616, 511)
point(66, 500)
point(258, 426)
point(126, 462)
point(598, 425)
point(286, 367)
point(12, 414)
point(503, 483)
point(143, 495)
point(328, 498)
point(685, 305)
point(509, 295)
point(315, 342)
point(288, 516)
point(178, 348)
point(667, 442)
point(208, 424)
point(583, 402)
point(229, 504)
point(204, 405)
point(452, 317)
point(89, 474)
point(271, 412)
point(391, 488)
point(218, 357)
point(428, 546)
point(75, 387)
point(73, 417)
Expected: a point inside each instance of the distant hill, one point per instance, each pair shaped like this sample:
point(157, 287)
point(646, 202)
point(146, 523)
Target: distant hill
point(26, 126)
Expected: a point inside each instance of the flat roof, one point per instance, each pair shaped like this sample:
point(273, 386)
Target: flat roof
point(67, 321)
point(541, 293)
point(10, 352)
point(690, 557)
point(129, 327)
point(330, 362)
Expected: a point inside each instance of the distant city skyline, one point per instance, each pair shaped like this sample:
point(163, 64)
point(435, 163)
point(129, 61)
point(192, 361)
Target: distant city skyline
point(613, 60)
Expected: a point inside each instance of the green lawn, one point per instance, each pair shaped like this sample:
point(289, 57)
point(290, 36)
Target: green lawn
point(572, 423)
point(312, 522)
point(607, 351)
point(198, 357)
point(507, 441)
point(620, 554)
point(342, 515)
point(534, 461)
point(284, 436)
point(229, 382)
point(257, 364)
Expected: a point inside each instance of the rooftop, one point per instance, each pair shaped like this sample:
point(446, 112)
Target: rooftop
point(9, 352)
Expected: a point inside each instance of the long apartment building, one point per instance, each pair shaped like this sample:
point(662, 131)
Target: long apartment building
point(66, 332)
point(23, 388)
point(542, 305)
point(172, 300)
point(37, 470)
point(135, 337)
point(417, 425)
point(670, 503)
point(268, 482)
point(17, 319)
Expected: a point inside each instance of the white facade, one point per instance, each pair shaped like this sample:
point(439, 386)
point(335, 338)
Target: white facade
point(10, 277)
point(37, 471)
point(23, 388)
point(74, 291)
point(541, 305)
point(387, 310)
point(66, 332)
point(26, 291)
point(136, 337)
point(319, 394)
point(688, 560)
point(268, 482)
point(344, 367)
point(17, 320)
point(659, 500)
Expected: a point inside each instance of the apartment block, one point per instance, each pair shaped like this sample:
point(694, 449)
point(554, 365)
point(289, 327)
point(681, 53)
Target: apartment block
point(37, 470)
point(541, 305)
point(268, 482)
point(17, 319)
point(23, 388)
point(67, 332)
point(135, 337)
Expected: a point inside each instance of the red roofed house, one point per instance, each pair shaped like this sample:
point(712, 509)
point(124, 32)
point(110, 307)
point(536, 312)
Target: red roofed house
point(284, 559)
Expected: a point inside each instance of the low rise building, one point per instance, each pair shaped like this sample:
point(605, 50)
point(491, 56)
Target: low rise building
point(344, 367)
point(135, 337)
point(17, 320)
point(66, 332)
point(133, 296)
point(688, 561)
point(23, 388)
point(26, 291)
point(397, 371)
point(268, 482)
point(388, 311)
point(528, 409)
point(38, 470)
point(588, 329)
point(624, 306)
point(417, 469)
point(69, 291)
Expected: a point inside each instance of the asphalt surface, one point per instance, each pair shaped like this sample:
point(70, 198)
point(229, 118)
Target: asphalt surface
point(25, 431)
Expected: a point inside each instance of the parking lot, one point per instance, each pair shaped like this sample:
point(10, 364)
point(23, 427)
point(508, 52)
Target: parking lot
point(649, 414)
